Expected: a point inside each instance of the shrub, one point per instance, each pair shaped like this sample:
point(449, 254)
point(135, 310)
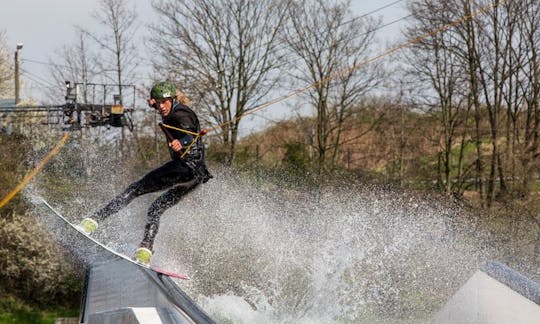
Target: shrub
point(32, 267)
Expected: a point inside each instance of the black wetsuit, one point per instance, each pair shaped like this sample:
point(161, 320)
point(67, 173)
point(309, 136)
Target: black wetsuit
point(180, 175)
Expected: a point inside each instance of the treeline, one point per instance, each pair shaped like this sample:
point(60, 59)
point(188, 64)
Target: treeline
point(469, 67)
point(390, 144)
point(482, 77)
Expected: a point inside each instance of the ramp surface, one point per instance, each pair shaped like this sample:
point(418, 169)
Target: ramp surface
point(495, 294)
point(117, 291)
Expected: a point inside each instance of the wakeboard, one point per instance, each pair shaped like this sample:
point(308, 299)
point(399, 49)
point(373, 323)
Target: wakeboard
point(103, 246)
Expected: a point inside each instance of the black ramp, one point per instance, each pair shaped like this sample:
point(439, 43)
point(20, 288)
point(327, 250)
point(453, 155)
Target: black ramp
point(117, 290)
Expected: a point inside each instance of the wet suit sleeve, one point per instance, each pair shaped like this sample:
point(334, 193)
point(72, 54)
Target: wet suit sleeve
point(182, 118)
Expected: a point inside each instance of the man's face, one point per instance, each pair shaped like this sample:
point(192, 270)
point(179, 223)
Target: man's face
point(164, 106)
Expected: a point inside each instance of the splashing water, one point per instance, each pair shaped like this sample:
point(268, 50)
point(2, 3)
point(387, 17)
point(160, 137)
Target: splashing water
point(260, 253)
point(265, 254)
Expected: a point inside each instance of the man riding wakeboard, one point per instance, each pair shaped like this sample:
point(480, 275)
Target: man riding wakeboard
point(183, 173)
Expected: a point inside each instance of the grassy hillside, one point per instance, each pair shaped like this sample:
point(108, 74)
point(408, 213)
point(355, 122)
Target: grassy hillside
point(389, 146)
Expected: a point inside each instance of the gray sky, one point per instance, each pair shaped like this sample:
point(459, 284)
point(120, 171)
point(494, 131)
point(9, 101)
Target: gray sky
point(45, 26)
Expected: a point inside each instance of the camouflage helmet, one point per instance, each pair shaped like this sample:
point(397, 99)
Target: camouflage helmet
point(163, 90)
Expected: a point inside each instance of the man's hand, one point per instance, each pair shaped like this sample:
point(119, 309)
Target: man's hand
point(175, 145)
point(152, 103)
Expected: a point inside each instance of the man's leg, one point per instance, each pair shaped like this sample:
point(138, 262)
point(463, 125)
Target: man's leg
point(156, 180)
point(119, 202)
point(90, 224)
point(158, 207)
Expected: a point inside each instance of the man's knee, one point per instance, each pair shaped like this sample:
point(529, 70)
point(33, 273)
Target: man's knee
point(156, 208)
point(132, 191)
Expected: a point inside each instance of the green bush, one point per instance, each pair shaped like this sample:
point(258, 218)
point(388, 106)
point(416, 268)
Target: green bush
point(13, 310)
point(296, 156)
point(32, 267)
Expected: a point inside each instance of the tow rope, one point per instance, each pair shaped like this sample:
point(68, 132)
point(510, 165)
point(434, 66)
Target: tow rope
point(38, 168)
point(195, 135)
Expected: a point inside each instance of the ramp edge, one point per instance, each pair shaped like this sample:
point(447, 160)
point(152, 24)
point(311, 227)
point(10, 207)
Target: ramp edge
point(513, 279)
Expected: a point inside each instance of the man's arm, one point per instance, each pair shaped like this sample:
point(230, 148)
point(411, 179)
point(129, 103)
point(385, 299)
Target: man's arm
point(174, 143)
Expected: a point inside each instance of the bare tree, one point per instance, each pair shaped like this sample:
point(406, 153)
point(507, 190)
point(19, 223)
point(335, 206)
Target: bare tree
point(6, 68)
point(75, 62)
point(223, 53)
point(496, 52)
point(526, 138)
point(434, 61)
point(328, 44)
point(495, 46)
point(119, 59)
